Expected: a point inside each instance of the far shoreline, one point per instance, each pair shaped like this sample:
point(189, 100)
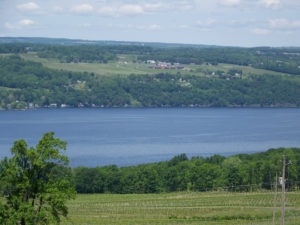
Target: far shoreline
point(282, 106)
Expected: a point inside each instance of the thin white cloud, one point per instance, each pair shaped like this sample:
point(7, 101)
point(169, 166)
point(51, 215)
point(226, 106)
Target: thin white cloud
point(122, 10)
point(277, 25)
point(242, 23)
point(26, 22)
point(292, 3)
point(29, 6)
point(148, 27)
point(183, 26)
point(260, 31)
point(230, 2)
point(85, 25)
point(201, 5)
point(130, 9)
point(82, 8)
point(119, 10)
point(184, 5)
point(206, 23)
point(154, 6)
point(108, 11)
point(283, 24)
point(20, 24)
point(272, 4)
point(9, 26)
point(154, 27)
point(58, 9)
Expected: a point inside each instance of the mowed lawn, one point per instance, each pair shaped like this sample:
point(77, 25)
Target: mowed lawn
point(183, 208)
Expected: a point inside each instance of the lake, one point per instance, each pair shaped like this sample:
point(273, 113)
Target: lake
point(98, 137)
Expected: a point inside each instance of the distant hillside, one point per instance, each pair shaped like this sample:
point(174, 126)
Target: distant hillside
point(64, 41)
point(42, 72)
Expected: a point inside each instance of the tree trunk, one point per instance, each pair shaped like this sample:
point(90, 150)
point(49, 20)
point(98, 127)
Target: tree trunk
point(23, 221)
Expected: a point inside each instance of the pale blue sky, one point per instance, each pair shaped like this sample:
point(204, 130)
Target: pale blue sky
point(213, 22)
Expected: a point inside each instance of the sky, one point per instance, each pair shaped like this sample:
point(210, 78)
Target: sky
point(245, 23)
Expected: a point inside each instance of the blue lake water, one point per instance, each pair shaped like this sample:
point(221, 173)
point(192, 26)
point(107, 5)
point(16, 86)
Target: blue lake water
point(98, 137)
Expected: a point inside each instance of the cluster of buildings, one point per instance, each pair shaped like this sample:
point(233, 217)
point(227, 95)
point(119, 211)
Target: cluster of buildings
point(164, 65)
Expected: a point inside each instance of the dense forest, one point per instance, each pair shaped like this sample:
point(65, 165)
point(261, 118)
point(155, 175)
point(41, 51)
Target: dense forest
point(27, 84)
point(245, 172)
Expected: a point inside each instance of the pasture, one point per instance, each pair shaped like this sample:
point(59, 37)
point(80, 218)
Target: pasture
point(209, 208)
point(127, 64)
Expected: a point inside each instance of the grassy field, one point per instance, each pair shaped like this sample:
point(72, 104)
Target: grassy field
point(210, 208)
point(125, 65)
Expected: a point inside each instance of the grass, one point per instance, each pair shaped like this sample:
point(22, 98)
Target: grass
point(126, 66)
point(121, 67)
point(209, 208)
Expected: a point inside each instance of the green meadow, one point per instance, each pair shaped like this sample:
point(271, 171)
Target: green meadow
point(127, 64)
point(209, 208)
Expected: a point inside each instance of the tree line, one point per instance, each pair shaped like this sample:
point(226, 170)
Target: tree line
point(244, 172)
point(76, 54)
point(26, 84)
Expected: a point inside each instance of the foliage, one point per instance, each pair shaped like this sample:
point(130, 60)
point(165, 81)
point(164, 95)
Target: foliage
point(36, 182)
point(27, 84)
point(276, 59)
point(233, 173)
point(284, 60)
point(76, 54)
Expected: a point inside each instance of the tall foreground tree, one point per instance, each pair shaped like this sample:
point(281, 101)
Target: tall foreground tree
point(35, 183)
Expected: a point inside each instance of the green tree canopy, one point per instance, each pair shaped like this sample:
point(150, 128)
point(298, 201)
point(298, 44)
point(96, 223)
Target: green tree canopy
point(35, 183)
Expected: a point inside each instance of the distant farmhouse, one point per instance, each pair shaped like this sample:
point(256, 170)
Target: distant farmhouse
point(164, 65)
